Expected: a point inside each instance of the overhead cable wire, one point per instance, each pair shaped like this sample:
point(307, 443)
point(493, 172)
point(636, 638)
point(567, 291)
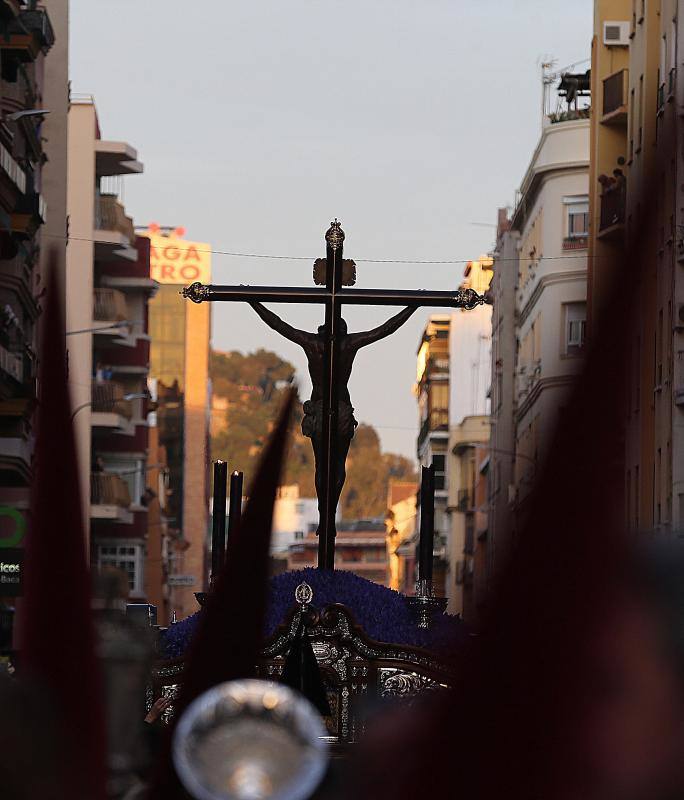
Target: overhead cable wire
point(358, 260)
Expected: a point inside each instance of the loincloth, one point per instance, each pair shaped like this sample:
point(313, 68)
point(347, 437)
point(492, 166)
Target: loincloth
point(312, 424)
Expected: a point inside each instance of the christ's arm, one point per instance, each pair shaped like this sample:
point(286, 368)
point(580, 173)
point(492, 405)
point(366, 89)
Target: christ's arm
point(274, 321)
point(394, 323)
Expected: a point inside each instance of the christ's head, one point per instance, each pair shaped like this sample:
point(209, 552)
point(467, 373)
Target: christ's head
point(343, 329)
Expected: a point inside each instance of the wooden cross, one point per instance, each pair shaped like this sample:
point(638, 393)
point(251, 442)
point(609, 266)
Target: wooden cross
point(336, 274)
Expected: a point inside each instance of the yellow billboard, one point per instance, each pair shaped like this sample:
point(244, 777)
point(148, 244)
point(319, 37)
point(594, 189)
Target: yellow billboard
point(175, 260)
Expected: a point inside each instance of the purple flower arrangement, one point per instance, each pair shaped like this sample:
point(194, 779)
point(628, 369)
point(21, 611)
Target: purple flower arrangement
point(382, 613)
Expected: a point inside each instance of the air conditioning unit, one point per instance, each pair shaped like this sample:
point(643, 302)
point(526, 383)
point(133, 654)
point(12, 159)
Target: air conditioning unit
point(616, 34)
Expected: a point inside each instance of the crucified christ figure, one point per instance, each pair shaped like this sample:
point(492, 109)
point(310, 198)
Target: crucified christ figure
point(313, 345)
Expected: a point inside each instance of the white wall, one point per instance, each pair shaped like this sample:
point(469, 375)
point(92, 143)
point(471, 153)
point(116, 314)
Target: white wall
point(470, 367)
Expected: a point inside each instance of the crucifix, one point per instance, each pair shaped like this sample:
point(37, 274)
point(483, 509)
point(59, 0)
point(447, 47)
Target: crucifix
point(328, 416)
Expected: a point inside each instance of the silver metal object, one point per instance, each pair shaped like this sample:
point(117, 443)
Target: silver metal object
point(250, 740)
point(303, 594)
point(425, 605)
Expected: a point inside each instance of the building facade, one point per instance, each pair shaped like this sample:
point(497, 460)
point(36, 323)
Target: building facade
point(432, 392)
point(108, 289)
point(27, 37)
point(502, 394)
point(400, 524)
point(179, 364)
point(293, 518)
point(551, 220)
point(468, 447)
point(359, 548)
point(636, 213)
point(469, 349)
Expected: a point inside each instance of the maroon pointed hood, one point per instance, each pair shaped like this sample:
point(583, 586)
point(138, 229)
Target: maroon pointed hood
point(56, 635)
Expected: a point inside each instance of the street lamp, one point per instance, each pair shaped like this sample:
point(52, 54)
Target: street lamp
point(129, 396)
point(124, 323)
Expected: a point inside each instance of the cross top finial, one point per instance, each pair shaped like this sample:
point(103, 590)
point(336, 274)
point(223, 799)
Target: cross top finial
point(335, 235)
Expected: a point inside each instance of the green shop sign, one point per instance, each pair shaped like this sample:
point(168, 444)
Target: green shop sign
point(17, 526)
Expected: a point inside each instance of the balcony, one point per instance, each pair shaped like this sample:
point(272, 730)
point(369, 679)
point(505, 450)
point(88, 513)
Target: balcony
point(12, 171)
point(109, 498)
point(30, 211)
point(109, 409)
point(615, 94)
point(11, 364)
point(612, 217)
point(437, 420)
point(28, 35)
point(109, 306)
point(580, 242)
point(116, 158)
point(114, 233)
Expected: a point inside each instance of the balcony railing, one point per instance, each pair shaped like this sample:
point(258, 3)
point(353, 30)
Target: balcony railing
point(437, 420)
point(615, 88)
point(111, 216)
point(109, 305)
point(108, 399)
point(12, 364)
point(107, 489)
point(613, 206)
point(579, 242)
point(14, 171)
point(38, 22)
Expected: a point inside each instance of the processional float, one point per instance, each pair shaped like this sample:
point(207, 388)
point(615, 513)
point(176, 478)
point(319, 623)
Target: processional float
point(363, 641)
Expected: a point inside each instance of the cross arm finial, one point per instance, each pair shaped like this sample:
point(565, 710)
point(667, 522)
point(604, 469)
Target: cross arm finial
point(335, 235)
point(197, 292)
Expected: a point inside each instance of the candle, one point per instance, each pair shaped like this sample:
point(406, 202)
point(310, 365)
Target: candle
point(427, 523)
point(218, 528)
point(235, 507)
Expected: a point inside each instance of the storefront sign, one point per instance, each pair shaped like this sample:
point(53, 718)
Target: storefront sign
point(11, 571)
point(177, 261)
point(181, 580)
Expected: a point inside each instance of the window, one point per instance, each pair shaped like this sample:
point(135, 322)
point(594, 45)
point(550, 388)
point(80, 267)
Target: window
point(578, 218)
point(299, 535)
point(127, 557)
point(575, 327)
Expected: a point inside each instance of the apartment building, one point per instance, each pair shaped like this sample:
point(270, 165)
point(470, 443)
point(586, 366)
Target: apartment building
point(551, 219)
point(293, 518)
point(26, 39)
point(359, 548)
point(108, 289)
point(432, 393)
point(637, 222)
point(400, 525)
point(502, 393)
point(179, 365)
point(469, 349)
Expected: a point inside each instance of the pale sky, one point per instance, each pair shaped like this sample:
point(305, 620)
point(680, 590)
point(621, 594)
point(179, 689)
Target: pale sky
point(259, 121)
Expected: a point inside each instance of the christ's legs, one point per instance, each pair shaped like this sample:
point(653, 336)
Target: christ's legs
point(343, 444)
